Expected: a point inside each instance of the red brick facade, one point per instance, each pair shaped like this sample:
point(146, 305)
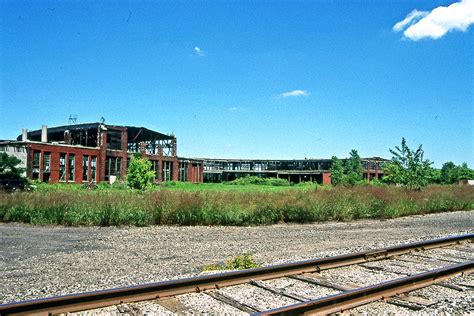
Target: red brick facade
point(52, 161)
point(54, 152)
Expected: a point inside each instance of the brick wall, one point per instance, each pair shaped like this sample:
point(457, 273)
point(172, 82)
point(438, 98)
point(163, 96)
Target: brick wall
point(55, 151)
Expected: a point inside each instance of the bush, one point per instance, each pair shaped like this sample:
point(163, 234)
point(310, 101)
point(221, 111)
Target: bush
point(259, 181)
point(139, 173)
point(408, 167)
point(239, 262)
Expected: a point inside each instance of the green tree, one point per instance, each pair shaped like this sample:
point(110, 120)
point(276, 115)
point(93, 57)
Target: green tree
point(408, 167)
point(435, 176)
point(9, 168)
point(449, 173)
point(139, 173)
point(465, 173)
point(337, 171)
point(353, 171)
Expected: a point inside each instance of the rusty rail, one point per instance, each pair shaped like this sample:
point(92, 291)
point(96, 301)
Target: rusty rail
point(102, 298)
point(354, 298)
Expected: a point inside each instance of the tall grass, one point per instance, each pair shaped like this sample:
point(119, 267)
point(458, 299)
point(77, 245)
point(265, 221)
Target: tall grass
point(180, 207)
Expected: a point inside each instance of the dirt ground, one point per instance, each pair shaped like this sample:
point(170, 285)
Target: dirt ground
point(41, 261)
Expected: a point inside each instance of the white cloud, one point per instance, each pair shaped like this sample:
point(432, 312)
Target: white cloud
point(233, 109)
point(199, 51)
point(411, 18)
point(435, 24)
point(295, 93)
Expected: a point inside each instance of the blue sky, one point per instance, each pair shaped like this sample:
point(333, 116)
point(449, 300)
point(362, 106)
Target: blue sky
point(247, 79)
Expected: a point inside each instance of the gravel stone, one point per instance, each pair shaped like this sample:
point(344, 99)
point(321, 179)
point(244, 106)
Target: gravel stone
point(300, 288)
point(257, 297)
point(380, 308)
point(205, 304)
point(43, 261)
point(356, 276)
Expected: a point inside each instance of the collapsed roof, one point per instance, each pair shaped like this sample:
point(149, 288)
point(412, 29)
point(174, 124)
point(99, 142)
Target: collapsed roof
point(135, 134)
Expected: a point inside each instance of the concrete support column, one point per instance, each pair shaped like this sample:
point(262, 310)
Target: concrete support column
point(102, 159)
point(124, 152)
point(160, 164)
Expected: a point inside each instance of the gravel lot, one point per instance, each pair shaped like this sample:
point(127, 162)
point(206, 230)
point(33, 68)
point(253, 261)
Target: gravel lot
point(44, 261)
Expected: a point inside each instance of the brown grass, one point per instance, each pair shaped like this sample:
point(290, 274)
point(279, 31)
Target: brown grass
point(124, 207)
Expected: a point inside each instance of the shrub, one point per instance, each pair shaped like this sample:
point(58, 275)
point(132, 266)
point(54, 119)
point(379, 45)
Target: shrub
point(259, 181)
point(239, 262)
point(408, 167)
point(139, 173)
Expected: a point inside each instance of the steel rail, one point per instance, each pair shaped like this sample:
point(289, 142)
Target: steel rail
point(102, 298)
point(357, 297)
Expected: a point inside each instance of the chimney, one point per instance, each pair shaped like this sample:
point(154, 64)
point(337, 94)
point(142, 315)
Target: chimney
point(44, 133)
point(24, 134)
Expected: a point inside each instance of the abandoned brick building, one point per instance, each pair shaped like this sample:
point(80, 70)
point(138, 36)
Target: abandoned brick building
point(95, 152)
point(294, 170)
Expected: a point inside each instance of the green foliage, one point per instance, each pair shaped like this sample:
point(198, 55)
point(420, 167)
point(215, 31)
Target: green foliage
point(408, 167)
point(348, 173)
point(435, 176)
point(450, 173)
point(239, 262)
point(9, 167)
point(139, 173)
point(248, 180)
point(353, 169)
point(465, 173)
point(337, 171)
point(170, 183)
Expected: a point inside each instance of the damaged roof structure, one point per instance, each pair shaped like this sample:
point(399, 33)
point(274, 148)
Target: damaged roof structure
point(95, 152)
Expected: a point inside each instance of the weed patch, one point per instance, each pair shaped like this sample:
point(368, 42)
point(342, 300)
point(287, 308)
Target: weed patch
point(110, 207)
point(239, 262)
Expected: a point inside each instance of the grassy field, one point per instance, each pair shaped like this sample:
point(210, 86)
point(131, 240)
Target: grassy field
point(220, 204)
point(185, 186)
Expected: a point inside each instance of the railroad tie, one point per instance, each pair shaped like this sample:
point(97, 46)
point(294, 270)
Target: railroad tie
point(175, 306)
point(233, 302)
point(281, 292)
point(320, 282)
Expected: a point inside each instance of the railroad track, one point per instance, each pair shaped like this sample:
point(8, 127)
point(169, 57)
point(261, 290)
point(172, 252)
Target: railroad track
point(317, 286)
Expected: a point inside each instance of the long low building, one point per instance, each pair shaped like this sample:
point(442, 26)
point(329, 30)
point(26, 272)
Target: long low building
point(96, 152)
point(295, 171)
